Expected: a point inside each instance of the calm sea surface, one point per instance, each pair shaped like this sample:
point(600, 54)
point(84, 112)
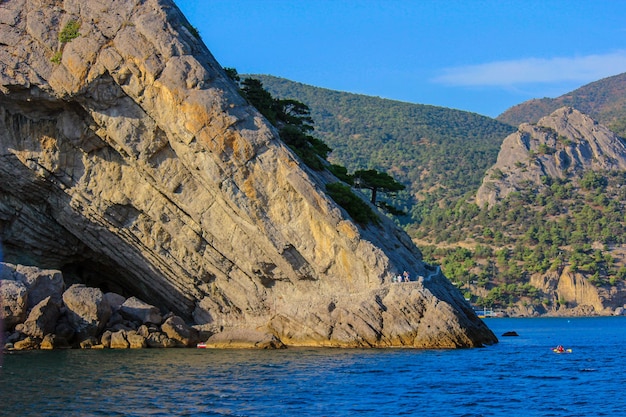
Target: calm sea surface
point(520, 376)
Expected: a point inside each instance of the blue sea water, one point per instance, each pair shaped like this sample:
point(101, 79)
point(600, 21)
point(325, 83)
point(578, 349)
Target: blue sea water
point(520, 376)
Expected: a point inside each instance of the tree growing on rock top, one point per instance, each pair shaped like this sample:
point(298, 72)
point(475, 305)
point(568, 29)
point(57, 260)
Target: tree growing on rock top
point(376, 181)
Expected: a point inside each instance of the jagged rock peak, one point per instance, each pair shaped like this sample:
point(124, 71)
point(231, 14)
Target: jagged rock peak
point(564, 144)
point(130, 162)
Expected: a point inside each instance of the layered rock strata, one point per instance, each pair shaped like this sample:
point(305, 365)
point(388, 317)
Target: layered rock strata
point(129, 161)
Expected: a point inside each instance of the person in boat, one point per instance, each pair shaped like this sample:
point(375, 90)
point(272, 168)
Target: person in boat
point(559, 348)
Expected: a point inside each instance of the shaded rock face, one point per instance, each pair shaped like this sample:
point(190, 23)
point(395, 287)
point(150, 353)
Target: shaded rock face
point(87, 309)
point(135, 309)
point(13, 308)
point(176, 329)
point(24, 287)
point(566, 143)
point(129, 161)
point(42, 319)
point(85, 317)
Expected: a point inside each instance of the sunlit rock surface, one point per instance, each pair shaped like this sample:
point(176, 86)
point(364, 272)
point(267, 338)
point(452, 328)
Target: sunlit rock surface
point(564, 144)
point(129, 161)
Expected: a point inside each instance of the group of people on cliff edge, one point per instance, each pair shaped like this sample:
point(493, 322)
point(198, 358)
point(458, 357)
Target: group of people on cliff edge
point(405, 277)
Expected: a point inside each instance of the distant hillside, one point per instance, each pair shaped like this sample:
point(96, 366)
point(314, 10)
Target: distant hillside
point(548, 233)
point(604, 100)
point(439, 153)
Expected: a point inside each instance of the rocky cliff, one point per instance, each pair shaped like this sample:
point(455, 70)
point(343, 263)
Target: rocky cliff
point(575, 295)
point(565, 144)
point(130, 163)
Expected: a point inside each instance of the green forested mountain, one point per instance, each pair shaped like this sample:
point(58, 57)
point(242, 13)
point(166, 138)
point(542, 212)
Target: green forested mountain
point(604, 100)
point(438, 153)
point(517, 252)
point(555, 233)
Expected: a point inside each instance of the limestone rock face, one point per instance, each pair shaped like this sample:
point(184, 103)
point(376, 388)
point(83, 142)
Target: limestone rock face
point(52, 341)
point(41, 284)
point(580, 297)
point(176, 329)
point(129, 161)
point(118, 340)
point(565, 143)
point(115, 301)
point(244, 339)
point(136, 341)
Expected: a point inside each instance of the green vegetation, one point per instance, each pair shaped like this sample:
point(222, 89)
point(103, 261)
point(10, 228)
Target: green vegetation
point(376, 181)
point(69, 32)
point(437, 153)
point(440, 156)
point(193, 30)
point(354, 205)
point(291, 117)
point(56, 58)
point(294, 122)
point(604, 100)
point(565, 224)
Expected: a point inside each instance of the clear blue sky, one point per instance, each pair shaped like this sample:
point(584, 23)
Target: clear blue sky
point(480, 56)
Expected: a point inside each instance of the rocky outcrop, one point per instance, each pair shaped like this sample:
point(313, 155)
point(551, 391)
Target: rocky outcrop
point(24, 287)
point(565, 144)
point(41, 320)
point(244, 339)
point(573, 295)
point(129, 161)
point(87, 309)
point(176, 329)
point(14, 308)
point(84, 317)
point(137, 310)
